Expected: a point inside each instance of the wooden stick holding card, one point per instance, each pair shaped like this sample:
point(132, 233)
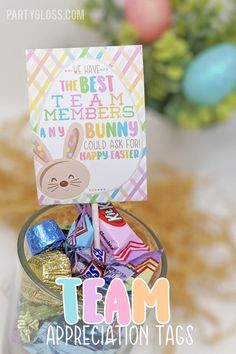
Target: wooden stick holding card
point(95, 220)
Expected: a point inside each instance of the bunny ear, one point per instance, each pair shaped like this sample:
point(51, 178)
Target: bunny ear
point(41, 153)
point(73, 141)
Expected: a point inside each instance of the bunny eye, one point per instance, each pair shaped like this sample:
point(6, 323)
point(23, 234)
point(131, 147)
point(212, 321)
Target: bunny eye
point(71, 176)
point(53, 179)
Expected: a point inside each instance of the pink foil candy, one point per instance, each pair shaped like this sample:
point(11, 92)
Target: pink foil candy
point(117, 237)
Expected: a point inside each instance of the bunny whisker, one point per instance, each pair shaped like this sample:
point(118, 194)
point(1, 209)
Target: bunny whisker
point(76, 179)
point(55, 185)
point(52, 184)
point(75, 185)
point(53, 190)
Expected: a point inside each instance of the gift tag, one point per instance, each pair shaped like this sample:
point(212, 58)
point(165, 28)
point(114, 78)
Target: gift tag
point(88, 118)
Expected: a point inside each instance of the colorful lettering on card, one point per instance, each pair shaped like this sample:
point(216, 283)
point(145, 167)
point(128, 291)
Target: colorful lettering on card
point(87, 114)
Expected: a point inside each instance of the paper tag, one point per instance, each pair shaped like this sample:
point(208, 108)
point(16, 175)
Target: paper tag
point(87, 113)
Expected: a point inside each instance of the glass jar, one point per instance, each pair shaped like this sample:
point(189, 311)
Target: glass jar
point(34, 306)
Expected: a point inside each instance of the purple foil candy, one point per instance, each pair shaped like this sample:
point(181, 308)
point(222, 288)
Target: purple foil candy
point(78, 264)
point(80, 233)
point(153, 257)
point(117, 270)
point(92, 271)
point(80, 258)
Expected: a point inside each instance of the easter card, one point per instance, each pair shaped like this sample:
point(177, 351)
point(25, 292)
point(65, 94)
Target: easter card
point(87, 114)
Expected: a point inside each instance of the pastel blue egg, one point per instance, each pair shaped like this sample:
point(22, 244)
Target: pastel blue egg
point(211, 76)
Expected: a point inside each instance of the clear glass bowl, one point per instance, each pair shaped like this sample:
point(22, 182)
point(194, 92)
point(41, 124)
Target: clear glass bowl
point(33, 304)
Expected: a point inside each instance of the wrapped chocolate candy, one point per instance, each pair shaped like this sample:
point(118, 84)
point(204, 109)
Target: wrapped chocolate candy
point(30, 317)
point(43, 236)
point(81, 232)
point(81, 258)
point(27, 326)
point(117, 238)
point(145, 267)
point(87, 255)
point(35, 296)
point(78, 264)
point(51, 265)
point(149, 260)
point(117, 270)
point(83, 265)
point(94, 263)
point(111, 272)
point(47, 266)
point(91, 271)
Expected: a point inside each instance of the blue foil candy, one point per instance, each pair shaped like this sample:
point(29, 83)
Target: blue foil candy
point(80, 233)
point(44, 236)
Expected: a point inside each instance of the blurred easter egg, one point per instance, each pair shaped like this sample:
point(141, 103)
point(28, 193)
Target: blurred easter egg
point(211, 76)
point(150, 18)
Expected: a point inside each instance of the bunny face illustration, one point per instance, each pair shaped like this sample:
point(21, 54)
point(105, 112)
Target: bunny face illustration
point(62, 178)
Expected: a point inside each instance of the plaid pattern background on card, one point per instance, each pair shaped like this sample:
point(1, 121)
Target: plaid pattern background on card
point(87, 112)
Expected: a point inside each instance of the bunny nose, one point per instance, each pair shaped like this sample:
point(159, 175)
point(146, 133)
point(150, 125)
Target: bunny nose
point(64, 183)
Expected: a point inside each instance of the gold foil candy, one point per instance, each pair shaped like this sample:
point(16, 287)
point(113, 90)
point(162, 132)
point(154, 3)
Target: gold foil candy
point(47, 267)
point(27, 325)
point(51, 265)
point(34, 295)
point(30, 317)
